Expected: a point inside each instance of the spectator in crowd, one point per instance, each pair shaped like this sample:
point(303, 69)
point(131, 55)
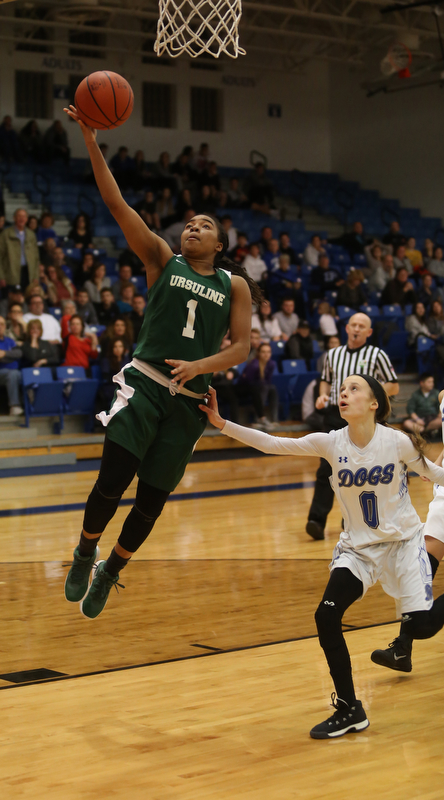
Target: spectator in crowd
point(182, 171)
point(205, 202)
point(211, 178)
point(110, 366)
point(427, 293)
point(286, 249)
point(327, 322)
point(45, 229)
point(309, 413)
point(184, 203)
point(428, 250)
point(125, 304)
point(230, 230)
point(19, 254)
point(146, 208)
point(85, 308)
point(10, 148)
point(55, 142)
point(162, 173)
point(300, 345)
point(140, 173)
point(15, 294)
point(128, 256)
point(374, 254)
point(313, 250)
point(287, 319)
point(33, 223)
point(241, 248)
point(324, 278)
point(255, 382)
point(254, 265)
point(416, 324)
point(394, 237)
point(435, 320)
point(202, 158)
point(36, 352)
point(99, 280)
point(351, 293)
point(106, 310)
point(2, 216)
point(399, 290)
point(165, 208)
point(268, 327)
point(10, 375)
point(236, 197)
point(400, 259)
point(59, 260)
point(436, 264)
point(384, 273)
point(125, 275)
point(81, 234)
point(50, 325)
point(259, 190)
point(137, 314)
point(424, 416)
point(69, 308)
point(224, 383)
point(285, 282)
point(15, 327)
point(265, 237)
point(413, 254)
point(82, 270)
point(120, 327)
point(121, 165)
point(47, 251)
point(79, 348)
point(271, 255)
point(255, 341)
point(31, 141)
point(331, 342)
point(59, 287)
point(355, 242)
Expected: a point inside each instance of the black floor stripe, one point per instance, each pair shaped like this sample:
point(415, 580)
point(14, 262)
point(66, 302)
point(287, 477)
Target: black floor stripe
point(183, 658)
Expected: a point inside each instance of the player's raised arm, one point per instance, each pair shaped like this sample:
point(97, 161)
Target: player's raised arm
point(151, 249)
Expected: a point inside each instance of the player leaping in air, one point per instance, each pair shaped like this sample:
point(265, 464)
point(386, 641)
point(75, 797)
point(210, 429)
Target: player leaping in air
point(155, 420)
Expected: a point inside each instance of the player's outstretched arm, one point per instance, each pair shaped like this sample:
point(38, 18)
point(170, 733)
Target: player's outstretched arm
point(151, 249)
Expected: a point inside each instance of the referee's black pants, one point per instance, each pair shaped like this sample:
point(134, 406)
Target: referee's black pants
point(323, 497)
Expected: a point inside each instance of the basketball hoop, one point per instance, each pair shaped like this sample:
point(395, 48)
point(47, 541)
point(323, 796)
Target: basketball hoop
point(398, 59)
point(199, 26)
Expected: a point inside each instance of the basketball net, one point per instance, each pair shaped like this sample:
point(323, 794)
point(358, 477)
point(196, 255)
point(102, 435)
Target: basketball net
point(199, 26)
point(398, 59)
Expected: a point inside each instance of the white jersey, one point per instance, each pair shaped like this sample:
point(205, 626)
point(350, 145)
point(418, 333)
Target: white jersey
point(370, 483)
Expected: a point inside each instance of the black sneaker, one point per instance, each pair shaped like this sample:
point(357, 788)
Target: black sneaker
point(314, 529)
point(397, 656)
point(346, 719)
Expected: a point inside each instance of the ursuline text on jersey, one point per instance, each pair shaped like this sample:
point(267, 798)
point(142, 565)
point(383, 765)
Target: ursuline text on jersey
point(197, 288)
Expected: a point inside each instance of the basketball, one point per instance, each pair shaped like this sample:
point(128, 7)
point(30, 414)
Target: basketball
point(104, 100)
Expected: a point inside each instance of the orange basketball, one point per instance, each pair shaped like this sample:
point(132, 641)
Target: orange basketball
point(104, 100)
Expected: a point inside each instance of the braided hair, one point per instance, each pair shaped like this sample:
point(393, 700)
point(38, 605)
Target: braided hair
point(221, 261)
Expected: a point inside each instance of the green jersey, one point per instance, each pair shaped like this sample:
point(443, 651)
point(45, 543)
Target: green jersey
point(186, 317)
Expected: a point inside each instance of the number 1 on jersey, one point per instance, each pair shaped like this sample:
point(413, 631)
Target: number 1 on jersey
point(188, 330)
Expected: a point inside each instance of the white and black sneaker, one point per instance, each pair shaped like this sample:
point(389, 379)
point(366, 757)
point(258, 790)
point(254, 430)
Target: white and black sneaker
point(398, 655)
point(346, 719)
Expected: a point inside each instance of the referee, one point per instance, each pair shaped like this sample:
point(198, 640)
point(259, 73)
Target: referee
point(354, 358)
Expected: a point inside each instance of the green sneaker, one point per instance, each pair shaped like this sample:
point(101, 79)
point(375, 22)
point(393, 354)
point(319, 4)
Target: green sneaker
point(95, 600)
point(78, 578)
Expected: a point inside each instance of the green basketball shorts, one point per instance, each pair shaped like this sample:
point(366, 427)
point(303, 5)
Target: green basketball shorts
point(160, 429)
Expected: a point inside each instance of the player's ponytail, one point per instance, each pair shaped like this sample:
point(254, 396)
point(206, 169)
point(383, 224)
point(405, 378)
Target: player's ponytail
point(221, 261)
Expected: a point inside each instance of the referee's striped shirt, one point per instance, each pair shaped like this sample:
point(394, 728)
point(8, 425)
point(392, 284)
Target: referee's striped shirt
point(341, 362)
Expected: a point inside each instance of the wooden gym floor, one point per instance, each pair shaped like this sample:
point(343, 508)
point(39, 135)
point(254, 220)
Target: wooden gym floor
point(203, 676)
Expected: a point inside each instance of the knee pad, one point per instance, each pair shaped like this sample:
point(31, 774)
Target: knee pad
point(136, 529)
point(99, 510)
point(328, 622)
point(423, 624)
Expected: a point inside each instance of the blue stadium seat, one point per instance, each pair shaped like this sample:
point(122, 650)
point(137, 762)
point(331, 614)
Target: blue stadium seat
point(283, 385)
point(425, 354)
point(43, 396)
point(79, 393)
point(293, 366)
